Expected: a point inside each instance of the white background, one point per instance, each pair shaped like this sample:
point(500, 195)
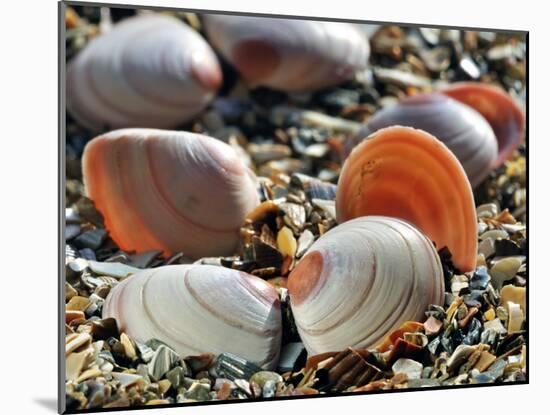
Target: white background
point(28, 204)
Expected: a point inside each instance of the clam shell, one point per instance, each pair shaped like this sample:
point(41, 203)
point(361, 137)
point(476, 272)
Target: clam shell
point(148, 71)
point(360, 281)
point(406, 173)
point(169, 190)
point(289, 54)
point(499, 109)
point(200, 308)
point(462, 129)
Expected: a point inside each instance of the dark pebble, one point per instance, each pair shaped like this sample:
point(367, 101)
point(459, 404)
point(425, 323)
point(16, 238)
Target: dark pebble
point(91, 239)
point(506, 247)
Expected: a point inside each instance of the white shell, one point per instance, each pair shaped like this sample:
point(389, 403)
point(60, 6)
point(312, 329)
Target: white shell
point(169, 190)
point(148, 71)
point(289, 54)
point(362, 280)
point(200, 309)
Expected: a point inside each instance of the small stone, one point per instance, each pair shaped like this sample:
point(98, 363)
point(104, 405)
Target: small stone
point(480, 279)
point(129, 349)
point(495, 325)
point(400, 78)
point(112, 269)
point(326, 206)
point(163, 360)
point(71, 231)
point(164, 386)
point(504, 270)
point(514, 294)
point(175, 376)
point(76, 341)
point(198, 391)
point(144, 259)
point(506, 247)
point(286, 242)
point(460, 356)
point(88, 374)
point(145, 352)
point(104, 329)
point(75, 363)
point(410, 367)
point(269, 388)
point(485, 360)
point(244, 386)
point(70, 292)
point(515, 317)
point(469, 68)
point(91, 239)
point(262, 377)
point(486, 247)
point(489, 314)
point(432, 326)
point(71, 315)
point(496, 370)
point(128, 379)
point(494, 234)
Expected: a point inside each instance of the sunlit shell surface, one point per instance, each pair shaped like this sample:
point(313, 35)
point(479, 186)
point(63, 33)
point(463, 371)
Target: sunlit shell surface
point(148, 71)
point(462, 129)
point(361, 280)
point(289, 54)
point(407, 173)
point(500, 110)
point(169, 190)
point(200, 309)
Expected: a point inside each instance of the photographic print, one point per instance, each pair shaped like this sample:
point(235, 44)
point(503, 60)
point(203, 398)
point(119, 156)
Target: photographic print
point(279, 207)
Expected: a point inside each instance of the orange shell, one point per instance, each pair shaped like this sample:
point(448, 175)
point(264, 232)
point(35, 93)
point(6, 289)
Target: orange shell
point(498, 108)
point(409, 174)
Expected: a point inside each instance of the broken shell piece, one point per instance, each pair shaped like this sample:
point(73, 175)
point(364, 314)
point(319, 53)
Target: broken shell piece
point(289, 54)
point(200, 308)
point(513, 294)
point(169, 190)
point(515, 317)
point(406, 173)
point(149, 71)
point(376, 266)
point(411, 368)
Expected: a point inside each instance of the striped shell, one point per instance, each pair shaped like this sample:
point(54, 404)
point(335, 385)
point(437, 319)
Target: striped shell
point(200, 308)
point(148, 71)
point(499, 109)
point(463, 130)
point(362, 280)
point(289, 54)
point(409, 174)
point(169, 190)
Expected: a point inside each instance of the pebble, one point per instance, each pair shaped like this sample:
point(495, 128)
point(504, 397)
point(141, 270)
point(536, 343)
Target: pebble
point(515, 317)
point(400, 78)
point(175, 376)
point(92, 239)
point(468, 67)
point(495, 325)
point(104, 328)
point(163, 360)
point(71, 231)
point(129, 349)
point(127, 379)
point(487, 247)
point(78, 303)
point(480, 279)
point(198, 391)
point(269, 388)
point(460, 356)
point(494, 234)
point(410, 367)
point(112, 269)
point(514, 294)
point(286, 242)
point(75, 363)
point(144, 259)
point(503, 270)
point(263, 376)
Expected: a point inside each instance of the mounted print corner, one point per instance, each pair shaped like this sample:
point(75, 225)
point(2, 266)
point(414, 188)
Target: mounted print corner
point(280, 207)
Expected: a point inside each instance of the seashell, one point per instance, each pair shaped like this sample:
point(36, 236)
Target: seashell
point(360, 281)
point(498, 108)
point(289, 54)
point(406, 173)
point(463, 130)
point(169, 190)
point(200, 308)
point(148, 71)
